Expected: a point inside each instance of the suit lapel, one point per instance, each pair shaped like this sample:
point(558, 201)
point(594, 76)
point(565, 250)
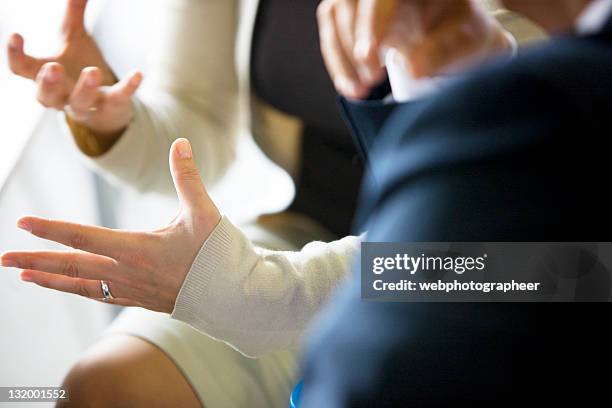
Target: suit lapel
point(365, 119)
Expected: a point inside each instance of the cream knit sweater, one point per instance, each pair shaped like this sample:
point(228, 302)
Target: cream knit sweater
point(255, 299)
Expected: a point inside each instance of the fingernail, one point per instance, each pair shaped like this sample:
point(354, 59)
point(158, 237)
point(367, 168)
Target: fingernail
point(91, 81)
point(14, 42)
point(9, 263)
point(184, 149)
point(136, 79)
point(51, 75)
point(24, 225)
point(25, 277)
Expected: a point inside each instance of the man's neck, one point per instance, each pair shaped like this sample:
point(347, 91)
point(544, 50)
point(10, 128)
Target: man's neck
point(555, 16)
point(570, 12)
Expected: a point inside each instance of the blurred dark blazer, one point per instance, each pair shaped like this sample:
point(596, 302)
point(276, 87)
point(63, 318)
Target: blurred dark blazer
point(519, 151)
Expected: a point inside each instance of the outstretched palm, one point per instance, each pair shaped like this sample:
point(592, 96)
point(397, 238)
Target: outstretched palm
point(144, 269)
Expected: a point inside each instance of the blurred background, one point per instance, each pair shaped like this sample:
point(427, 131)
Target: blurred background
point(42, 333)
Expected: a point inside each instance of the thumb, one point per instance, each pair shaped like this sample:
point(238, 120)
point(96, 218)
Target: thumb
point(186, 176)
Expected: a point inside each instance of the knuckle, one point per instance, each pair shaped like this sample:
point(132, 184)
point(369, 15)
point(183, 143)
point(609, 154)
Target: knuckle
point(77, 103)
point(71, 269)
point(28, 263)
point(81, 289)
point(189, 173)
point(76, 113)
point(82, 97)
point(77, 239)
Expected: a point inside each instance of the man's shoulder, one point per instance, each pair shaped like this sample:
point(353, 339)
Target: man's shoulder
point(566, 67)
point(558, 78)
point(585, 60)
point(544, 98)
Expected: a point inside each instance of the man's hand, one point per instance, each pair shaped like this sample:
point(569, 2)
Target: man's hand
point(142, 269)
point(431, 36)
point(78, 80)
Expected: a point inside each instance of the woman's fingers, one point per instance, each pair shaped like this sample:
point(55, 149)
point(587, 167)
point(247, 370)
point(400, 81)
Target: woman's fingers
point(100, 106)
point(91, 289)
point(82, 287)
point(97, 240)
point(86, 94)
point(71, 264)
point(19, 62)
point(371, 22)
point(344, 14)
point(124, 90)
point(53, 86)
point(338, 63)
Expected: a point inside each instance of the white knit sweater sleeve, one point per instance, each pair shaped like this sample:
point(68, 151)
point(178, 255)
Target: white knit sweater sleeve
point(258, 300)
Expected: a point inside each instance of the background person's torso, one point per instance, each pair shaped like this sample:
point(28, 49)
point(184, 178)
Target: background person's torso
point(288, 73)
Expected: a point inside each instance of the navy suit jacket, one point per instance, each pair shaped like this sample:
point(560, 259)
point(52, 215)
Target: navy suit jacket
point(518, 151)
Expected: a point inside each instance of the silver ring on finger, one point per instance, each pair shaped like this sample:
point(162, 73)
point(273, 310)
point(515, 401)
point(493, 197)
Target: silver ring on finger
point(106, 291)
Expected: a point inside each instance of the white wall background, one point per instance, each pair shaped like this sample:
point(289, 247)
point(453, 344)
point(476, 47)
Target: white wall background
point(41, 332)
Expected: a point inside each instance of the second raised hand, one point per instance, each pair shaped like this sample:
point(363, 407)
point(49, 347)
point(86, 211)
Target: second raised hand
point(430, 37)
point(78, 79)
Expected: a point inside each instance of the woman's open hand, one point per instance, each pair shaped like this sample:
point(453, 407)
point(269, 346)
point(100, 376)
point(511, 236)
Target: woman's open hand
point(78, 79)
point(145, 269)
point(430, 36)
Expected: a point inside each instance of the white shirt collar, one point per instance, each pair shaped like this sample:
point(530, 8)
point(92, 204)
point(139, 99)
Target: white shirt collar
point(594, 17)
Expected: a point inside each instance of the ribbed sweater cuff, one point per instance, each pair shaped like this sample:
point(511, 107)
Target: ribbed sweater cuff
point(215, 250)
